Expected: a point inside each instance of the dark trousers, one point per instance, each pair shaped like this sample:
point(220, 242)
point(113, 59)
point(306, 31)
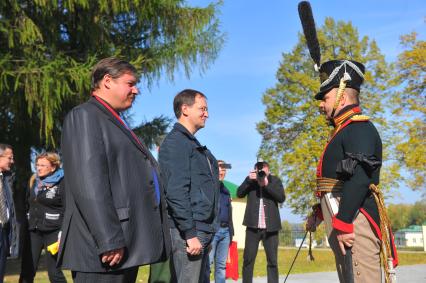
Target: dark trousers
point(270, 243)
point(4, 249)
point(120, 276)
point(35, 242)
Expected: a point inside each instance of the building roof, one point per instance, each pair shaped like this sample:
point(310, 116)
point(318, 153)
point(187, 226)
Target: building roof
point(232, 188)
point(412, 229)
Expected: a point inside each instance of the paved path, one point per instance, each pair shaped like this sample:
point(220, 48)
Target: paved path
point(405, 274)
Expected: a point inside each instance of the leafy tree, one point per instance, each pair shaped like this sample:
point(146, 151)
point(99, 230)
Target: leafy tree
point(417, 215)
point(399, 215)
point(293, 132)
point(320, 235)
point(410, 108)
point(49, 47)
point(404, 215)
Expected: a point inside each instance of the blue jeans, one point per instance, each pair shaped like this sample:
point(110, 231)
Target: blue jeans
point(187, 268)
point(218, 255)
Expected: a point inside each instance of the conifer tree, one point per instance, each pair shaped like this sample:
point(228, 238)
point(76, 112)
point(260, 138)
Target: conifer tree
point(47, 49)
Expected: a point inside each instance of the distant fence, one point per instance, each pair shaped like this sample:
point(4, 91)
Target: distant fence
point(289, 238)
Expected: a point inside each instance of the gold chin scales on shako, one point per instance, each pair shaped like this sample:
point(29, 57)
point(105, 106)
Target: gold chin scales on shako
point(350, 201)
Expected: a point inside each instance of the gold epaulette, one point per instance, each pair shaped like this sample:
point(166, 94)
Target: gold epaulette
point(360, 118)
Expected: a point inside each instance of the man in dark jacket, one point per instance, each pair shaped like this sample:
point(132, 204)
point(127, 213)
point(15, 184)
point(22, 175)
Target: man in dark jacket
point(262, 218)
point(8, 226)
point(115, 214)
point(191, 173)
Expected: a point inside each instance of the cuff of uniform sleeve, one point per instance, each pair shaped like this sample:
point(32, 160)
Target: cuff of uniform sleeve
point(342, 226)
point(191, 233)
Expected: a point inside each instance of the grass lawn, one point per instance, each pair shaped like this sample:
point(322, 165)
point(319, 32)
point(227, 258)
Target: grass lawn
point(324, 261)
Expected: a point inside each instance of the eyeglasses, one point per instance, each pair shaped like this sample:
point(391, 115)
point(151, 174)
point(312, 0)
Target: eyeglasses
point(7, 157)
point(203, 109)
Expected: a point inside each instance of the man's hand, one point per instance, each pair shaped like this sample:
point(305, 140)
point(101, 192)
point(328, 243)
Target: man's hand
point(194, 246)
point(311, 225)
point(345, 239)
point(252, 175)
point(113, 257)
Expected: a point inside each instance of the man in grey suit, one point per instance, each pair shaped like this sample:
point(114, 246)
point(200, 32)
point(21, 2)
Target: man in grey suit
point(115, 216)
point(8, 225)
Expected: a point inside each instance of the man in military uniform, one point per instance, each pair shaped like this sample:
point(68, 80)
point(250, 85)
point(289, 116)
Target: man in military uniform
point(348, 176)
point(351, 204)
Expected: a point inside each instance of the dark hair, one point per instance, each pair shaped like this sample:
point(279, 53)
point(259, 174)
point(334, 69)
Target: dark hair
point(263, 163)
point(3, 147)
point(186, 96)
point(112, 66)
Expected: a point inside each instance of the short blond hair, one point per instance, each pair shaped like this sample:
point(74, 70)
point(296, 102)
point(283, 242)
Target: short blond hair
point(52, 157)
point(353, 95)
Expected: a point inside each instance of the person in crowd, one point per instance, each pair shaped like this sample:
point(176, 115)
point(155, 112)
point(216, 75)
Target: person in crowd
point(45, 213)
point(348, 172)
point(223, 237)
point(115, 214)
point(190, 172)
point(348, 175)
point(262, 218)
point(9, 227)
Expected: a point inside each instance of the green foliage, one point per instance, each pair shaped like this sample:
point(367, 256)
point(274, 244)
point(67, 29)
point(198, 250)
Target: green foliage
point(404, 215)
point(320, 235)
point(399, 215)
point(418, 213)
point(410, 108)
point(294, 134)
point(48, 48)
point(153, 132)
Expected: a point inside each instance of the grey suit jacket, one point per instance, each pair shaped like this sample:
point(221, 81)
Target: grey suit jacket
point(110, 194)
point(15, 226)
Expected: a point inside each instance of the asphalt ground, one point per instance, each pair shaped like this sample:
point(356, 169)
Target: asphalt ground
point(404, 274)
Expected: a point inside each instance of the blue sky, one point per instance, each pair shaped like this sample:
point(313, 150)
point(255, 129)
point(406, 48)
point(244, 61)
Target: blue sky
point(257, 33)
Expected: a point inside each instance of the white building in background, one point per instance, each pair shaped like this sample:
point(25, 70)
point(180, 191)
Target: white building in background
point(410, 237)
point(424, 236)
point(238, 209)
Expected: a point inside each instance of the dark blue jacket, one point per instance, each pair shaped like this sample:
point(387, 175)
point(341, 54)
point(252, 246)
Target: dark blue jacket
point(225, 209)
point(191, 178)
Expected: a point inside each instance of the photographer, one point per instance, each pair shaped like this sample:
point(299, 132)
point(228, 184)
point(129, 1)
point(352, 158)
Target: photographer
point(262, 218)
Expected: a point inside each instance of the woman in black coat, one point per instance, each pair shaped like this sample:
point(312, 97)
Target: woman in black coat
point(45, 214)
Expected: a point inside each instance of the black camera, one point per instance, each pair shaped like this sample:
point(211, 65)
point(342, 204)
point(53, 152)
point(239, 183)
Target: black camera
point(260, 174)
point(225, 166)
